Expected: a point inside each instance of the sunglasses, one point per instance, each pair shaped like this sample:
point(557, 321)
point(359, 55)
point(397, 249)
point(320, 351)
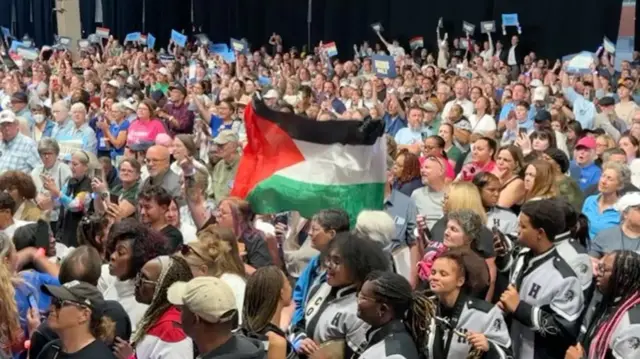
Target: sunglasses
point(139, 280)
point(185, 250)
point(58, 304)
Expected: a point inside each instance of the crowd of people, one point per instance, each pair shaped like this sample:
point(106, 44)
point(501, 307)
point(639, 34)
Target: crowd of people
point(510, 226)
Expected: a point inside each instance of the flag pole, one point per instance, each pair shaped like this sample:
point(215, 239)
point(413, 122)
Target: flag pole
point(309, 11)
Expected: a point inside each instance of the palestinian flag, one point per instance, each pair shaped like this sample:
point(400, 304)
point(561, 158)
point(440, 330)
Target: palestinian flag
point(296, 163)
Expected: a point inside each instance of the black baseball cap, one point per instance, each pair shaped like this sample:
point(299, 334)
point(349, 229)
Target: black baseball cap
point(542, 115)
point(78, 292)
point(606, 101)
point(179, 87)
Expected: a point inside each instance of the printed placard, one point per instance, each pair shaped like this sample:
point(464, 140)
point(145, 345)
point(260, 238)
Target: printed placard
point(468, 27)
point(377, 27)
point(103, 32)
point(178, 38)
point(384, 66)
point(330, 48)
point(28, 53)
point(203, 39)
point(488, 26)
point(132, 37)
point(151, 41)
point(238, 45)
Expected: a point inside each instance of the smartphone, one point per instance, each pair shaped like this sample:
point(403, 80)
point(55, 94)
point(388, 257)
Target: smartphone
point(33, 304)
point(114, 198)
point(281, 218)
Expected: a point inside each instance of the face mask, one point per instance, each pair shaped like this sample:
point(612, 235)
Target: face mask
point(39, 118)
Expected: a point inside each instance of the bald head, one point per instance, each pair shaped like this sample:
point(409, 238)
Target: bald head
point(157, 160)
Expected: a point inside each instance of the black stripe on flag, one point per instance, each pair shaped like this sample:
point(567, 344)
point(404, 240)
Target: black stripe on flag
point(346, 132)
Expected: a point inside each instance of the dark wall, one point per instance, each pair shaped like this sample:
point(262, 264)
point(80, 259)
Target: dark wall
point(553, 28)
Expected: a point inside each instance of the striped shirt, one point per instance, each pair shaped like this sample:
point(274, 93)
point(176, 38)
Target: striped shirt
point(19, 154)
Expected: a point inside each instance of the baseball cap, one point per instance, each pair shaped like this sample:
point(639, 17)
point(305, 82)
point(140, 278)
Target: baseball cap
point(272, 94)
point(606, 101)
point(78, 292)
point(130, 104)
point(225, 136)
point(243, 101)
point(7, 116)
point(429, 107)
point(209, 298)
point(20, 97)
point(542, 115)
point(588, 142)
point(114, 83)
point(179, 87)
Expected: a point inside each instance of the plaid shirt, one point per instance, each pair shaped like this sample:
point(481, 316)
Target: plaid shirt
point(184, 117)
point(20, 154)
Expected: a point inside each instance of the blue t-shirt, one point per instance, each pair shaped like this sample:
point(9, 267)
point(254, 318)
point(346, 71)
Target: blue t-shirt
point(114, 129)
point(33, 280)
point(586, 176)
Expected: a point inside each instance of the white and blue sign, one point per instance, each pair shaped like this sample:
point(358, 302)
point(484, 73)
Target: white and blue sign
point(179, 38)
point(132, 37)
point(384, 66)
point(151, 41)
point(238, 45)
point(218, 48)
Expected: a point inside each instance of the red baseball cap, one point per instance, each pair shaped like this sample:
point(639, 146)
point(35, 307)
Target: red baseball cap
point(588, 142)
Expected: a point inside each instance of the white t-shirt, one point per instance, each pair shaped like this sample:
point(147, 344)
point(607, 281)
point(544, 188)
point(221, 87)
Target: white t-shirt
point(123, 292)
point(9, 231)
point(482, 125)
point(467, 107)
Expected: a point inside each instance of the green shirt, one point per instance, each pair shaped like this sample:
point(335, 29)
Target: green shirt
point(454, 153)
point(222, 178)
point(160, 86)
point(131, 194)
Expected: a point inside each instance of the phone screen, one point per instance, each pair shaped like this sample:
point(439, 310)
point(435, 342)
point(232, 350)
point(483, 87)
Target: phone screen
point(32, 303)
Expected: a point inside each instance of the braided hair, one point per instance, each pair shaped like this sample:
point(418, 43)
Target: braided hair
point(261, 298)
point(415, 308)
point(178, 271)
point(624, 283)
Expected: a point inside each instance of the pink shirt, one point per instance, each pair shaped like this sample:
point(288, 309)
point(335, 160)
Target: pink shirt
point(144, 131)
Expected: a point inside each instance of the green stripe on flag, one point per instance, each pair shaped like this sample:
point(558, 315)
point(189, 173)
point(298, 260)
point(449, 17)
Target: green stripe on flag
point(278, 193)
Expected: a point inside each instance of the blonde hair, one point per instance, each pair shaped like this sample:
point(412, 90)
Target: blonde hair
point(10, 330)
point(218, 248)
point(464, 195)
point(544, 184)
point(608, 139)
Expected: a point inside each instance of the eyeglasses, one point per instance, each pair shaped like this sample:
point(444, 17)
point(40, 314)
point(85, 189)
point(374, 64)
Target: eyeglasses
point(58, 304)
point(139, 280)
point(362, 297)
point(185, 250)
point(332, 261)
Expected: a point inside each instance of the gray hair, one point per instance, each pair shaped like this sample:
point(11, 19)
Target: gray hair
point(469, 221)
point(48, 144)
point(622, 171)
point(78, 106)
point(120, 107)
point(377, 226)
point(606, 155)
point(61, 104)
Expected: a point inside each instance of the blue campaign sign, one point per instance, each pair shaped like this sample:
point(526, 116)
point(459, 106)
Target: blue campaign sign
point(6, 32)
point(15, 44)
point(178, 38)
point(151, 41)
point(218, 48)
point(132, 37)
point(264, 81)
point(384, 66)
point(228, 56)
point(510, 20)
point(238, 45)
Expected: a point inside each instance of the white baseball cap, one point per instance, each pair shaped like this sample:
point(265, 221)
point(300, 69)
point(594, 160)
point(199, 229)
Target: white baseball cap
point(209, 298)
point(272, 94)
point(7, 116)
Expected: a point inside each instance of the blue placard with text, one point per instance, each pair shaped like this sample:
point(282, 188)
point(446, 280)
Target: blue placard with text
point(132, 37)
point(178, 38)
point(510, 20)
point(384, 66)
point(151, 41)
point(238, 45)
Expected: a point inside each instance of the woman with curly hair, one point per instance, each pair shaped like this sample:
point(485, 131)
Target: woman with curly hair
point(160, 332)
point(349, 258)
point(235, 214)
point(406, 172)
point(22, 189)
point(216, 254)
point(129, 246)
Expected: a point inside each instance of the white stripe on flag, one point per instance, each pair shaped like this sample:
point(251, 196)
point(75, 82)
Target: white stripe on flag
point(339, 164)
